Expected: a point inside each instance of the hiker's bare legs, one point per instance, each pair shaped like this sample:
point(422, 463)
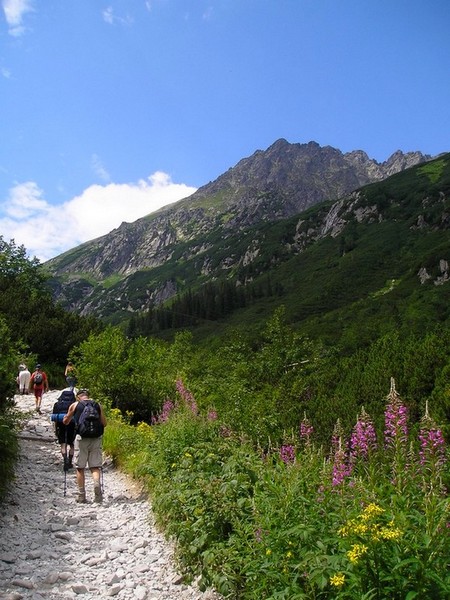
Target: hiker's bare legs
point(97, 486)
point(80, 483)
point(67, 453)
point(96, 476)
point(38, 398)
point(80, 478)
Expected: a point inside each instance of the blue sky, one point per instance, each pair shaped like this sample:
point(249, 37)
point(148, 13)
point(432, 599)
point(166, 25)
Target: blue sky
point(111, 109)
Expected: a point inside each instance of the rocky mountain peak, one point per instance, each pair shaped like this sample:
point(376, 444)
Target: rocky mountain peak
point(267, 186)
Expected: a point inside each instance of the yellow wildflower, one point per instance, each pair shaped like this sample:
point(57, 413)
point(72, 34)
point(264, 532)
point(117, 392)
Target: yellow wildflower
point(353, 527)
point(356, 552)
point(371, 510)
point(337, 580)
point(268, 552)
point(390, 533)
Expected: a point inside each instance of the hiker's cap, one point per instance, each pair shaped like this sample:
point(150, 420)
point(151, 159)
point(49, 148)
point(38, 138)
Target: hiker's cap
point(83, 392)
point(38, 366)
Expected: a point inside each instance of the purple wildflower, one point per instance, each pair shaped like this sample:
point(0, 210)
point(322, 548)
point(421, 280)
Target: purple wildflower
point(287, 454)
point(432, 444)
point(212, 415)
point(164, 415)
point(225, 432)
point(341, 467)
point(395, 419)
point(306, 430)
point(260, 533)
point(187, 396)
point(363, 439)
point(336, 437)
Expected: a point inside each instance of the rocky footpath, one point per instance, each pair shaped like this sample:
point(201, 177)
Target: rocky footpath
point(52, 548)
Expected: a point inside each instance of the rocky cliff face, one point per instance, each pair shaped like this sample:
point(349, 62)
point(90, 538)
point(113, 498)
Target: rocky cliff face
point(270, 185)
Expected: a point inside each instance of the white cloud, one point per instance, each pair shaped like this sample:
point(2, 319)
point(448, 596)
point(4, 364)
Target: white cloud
point(108, 15)
point(14, 12)
point(208, 13)
point(110, 18)
point(47, 230)
point(99, 169)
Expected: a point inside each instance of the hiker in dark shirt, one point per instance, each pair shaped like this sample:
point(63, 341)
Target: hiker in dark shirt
point(88, 450)
point(65, 433)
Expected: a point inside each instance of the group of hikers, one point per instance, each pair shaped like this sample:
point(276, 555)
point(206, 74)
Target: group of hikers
point(36, 382)
point(79, 424)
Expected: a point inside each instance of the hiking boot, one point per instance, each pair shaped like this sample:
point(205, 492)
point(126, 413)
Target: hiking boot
point(66, 466)
point(81, 498)
point(98, 497)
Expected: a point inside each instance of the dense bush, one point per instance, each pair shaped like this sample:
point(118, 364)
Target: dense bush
point(366, 519)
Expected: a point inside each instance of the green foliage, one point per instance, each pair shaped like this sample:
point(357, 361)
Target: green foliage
point(42, 329)
point(8, 439)
point(9, 449)
point(255, 526)
point(337, 289)
point(134, 376)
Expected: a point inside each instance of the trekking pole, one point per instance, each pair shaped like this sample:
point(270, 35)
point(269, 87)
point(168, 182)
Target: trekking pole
point(65, 462)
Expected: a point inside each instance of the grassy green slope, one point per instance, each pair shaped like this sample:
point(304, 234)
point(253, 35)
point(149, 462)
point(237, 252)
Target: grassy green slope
point(352, 297)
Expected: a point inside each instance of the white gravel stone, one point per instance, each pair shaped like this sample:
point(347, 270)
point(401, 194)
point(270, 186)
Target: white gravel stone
point(53, 548)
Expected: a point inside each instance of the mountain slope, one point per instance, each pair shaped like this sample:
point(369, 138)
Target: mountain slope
point(206, 236)
point(346, 271)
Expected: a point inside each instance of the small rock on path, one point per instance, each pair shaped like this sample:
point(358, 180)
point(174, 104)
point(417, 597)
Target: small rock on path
point(54, 549)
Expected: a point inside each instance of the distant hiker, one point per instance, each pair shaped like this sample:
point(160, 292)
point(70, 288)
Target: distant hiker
point(38, 384)
point(65, 433)
point(23, 379)
point(90, 422)
point(70, 374)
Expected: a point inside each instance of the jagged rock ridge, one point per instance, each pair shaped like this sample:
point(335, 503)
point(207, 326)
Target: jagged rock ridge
point(270, 185)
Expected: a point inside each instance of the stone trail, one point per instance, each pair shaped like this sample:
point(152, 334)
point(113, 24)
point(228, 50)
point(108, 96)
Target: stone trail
point(54, 549)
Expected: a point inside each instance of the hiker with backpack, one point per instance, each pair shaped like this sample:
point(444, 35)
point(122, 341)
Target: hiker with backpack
point(39, 385)
point(90, 423)
point(65, 433)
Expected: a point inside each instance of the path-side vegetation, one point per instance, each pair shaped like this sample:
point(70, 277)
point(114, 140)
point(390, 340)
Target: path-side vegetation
point(284, 471)
point(32, 329)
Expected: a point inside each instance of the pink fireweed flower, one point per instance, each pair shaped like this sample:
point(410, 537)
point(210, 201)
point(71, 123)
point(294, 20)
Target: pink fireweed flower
point(306, 430)
point(341, 467)
point(212, 415)
point(287, 454)
point(164, 415)
point(187, 396)
point(225, 432)
point(338, 433)
point(363, 439)
point(432, 444)
point(395, 419)
point(260, 533)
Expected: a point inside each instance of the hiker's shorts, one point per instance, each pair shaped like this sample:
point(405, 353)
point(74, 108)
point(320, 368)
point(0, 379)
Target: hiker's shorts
point(66, 433)
point(88, 452)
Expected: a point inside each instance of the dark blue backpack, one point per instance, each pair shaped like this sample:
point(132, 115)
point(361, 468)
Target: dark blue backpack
point(62, 403)
point(88, 420)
